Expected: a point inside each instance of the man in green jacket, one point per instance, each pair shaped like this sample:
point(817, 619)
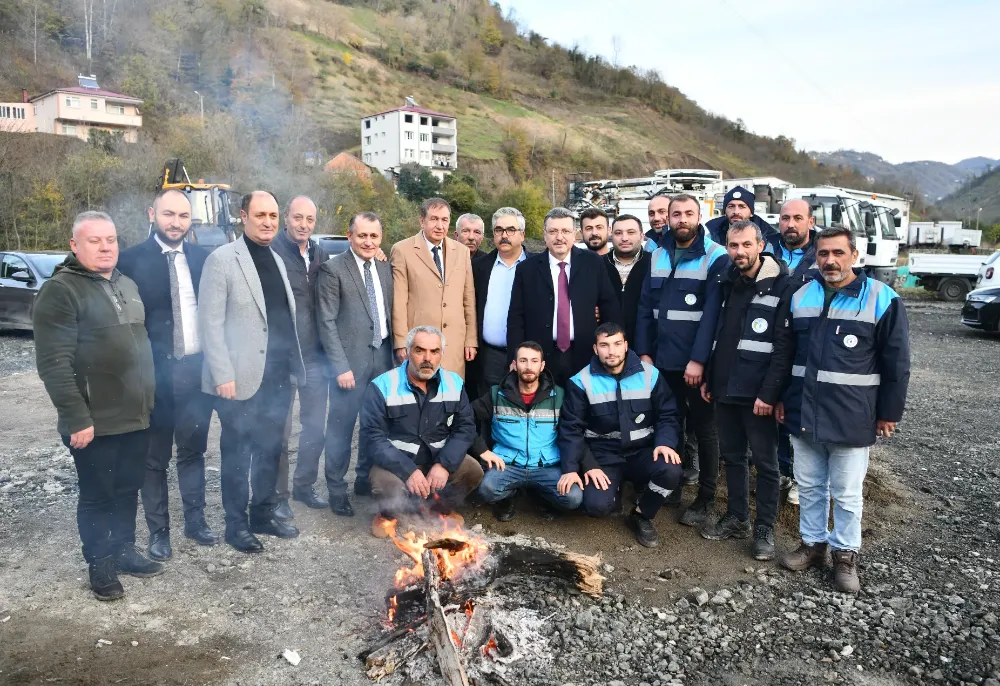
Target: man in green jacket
point(94, 357)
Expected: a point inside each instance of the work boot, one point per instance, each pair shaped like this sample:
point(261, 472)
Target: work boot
point(244, 541)
point(362, 486)
point(340, 505)
point(763, 542)
point(805, 556)
point(845, 571)
point(727, 527)
point(793, 494)
point(643, 530)
point(308, 497)
point(134, 562)
point(159, 545)
point(691, 475)
point(283, 512)
point(199, 532)
point(273, 527)
point(698, 512)
point(104, 583)
point(504, 510)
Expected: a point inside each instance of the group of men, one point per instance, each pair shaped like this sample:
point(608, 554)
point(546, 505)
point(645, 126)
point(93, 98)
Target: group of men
point(567, 372)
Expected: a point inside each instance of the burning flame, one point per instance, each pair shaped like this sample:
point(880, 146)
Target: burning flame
point(393, 607)
point(491, 649)
point(457, 553)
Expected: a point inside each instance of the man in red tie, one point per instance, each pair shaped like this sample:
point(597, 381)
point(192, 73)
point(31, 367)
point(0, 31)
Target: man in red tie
point(558, 298)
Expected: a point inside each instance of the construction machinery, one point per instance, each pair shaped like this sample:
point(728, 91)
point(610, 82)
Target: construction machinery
point(213, 220)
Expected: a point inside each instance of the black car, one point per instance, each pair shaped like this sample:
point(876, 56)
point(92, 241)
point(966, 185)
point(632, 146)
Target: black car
point(982, 309)
point(21, 275)
point(332, 244)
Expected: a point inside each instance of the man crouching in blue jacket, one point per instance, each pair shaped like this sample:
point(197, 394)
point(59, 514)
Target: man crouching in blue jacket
point(419, 426)
point(622, 410)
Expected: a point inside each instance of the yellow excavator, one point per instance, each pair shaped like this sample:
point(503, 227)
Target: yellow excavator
point(214, 219)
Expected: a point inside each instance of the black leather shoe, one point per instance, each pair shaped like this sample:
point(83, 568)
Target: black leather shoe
point(309, 498)
point(159, 545)
point(362, 487)
point(104, 581)
point(274, 527)
point(504, 510)
point(283, 512)
point(244, 541)
point(134, 562)
point(643, 530)
point(341, 506)
point(200, 533)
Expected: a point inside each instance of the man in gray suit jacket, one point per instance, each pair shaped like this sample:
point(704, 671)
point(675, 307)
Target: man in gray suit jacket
point(354, 312)
point(246, 313)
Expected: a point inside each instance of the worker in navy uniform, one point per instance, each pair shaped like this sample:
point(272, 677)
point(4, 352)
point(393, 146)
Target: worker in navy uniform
point(750, 364)
point(658, 211)
point(848, 386)
point(675, 325)
point(737, 206)
point(619, 423)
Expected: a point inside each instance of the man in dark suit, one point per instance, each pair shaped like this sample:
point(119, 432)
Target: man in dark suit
point(354, 297)
point(628, 265)
point(557, 299)
point(493, 277)
point(167, 270)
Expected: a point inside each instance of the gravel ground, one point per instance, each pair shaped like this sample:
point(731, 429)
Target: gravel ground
point(693, 612)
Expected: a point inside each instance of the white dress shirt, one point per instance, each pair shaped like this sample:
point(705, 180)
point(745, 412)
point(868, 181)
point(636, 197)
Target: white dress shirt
point(189, 302)
point(379, 298)
point(554, 268)
point(430, 249)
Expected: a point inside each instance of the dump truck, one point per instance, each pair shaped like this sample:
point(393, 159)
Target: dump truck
point(213, 219)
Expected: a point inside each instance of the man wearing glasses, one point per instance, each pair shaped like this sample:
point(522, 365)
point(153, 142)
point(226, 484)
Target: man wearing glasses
point(493, 276)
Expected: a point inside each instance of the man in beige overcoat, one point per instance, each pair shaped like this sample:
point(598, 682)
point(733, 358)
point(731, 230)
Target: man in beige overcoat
point(432, 286)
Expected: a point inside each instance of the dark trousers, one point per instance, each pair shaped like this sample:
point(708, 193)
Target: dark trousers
point(653, 481)
point(761, 433)
point(560, 364)
point(251, 446)
point(312, 418)
point(701, 416)
point(493, 366)
point(785, 451)
point(344, 407)
point(110, 471)
point(191, 416)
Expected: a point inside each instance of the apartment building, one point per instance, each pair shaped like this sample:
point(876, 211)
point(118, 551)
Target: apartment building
point(77, 110)
point(408, 134)
point(17, 117)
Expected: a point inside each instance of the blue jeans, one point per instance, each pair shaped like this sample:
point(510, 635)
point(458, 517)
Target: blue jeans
point(822, 470)
point(499, 485)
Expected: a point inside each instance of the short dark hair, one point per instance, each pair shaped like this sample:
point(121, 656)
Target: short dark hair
point(608, 329)
point(245, 200)
point(834, 231)
point(683, 197)
point(736, 227)
point(367, 216)
point(593, 213)
point(557, 213)
point(626, 218)
point(163, 191)
point(531, 345)
point(430, 203)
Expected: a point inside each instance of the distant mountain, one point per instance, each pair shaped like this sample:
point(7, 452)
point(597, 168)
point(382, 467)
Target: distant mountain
point(934, 180)
point(980, 192)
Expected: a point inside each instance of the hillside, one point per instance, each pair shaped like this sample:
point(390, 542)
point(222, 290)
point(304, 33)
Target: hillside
point(982, 191)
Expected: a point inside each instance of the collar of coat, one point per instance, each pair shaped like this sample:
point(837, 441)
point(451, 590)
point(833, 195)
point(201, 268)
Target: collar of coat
point(851, 290)
point(633, 365)
point(511, 389)
point(698, 247)
point(771, 269)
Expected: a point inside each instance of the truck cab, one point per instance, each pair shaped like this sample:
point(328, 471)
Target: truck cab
point(883, 243)
point(832, 208)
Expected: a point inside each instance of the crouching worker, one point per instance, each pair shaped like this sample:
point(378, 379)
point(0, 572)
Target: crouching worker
point(518, 417)
point(619, 423)
point(419, 426)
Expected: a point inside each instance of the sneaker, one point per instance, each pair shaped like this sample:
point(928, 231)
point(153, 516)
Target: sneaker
point(134, 562)
point(727, 527)
point(763, 542)
point(805, 556)
point(697, 512)
point(504, 510)
point(793, 495)
point(845, 571)
point(643, 530)
point(104, 583)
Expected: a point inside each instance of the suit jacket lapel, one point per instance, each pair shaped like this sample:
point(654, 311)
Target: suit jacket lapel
point(352, 267)
point(385, 279)
point(425, 254)
point(250, 274)
point(449, 246)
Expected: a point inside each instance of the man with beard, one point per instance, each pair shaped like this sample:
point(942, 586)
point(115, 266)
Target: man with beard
point(748, 370)
point(659, 213)
point(167, 271)
point(848, 386)
point(619, 423)
point(594, 229)
point(628, 265)
point(420, 427)
point(470, 232)
point(518, 417)
point(675, 326)
point(738, 207)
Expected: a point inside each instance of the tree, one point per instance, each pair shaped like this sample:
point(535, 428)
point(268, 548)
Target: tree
point(530, 199)
point(472, 58)
point(491, 36)
point(88, 28)
point(416, 183)
point(460, 195)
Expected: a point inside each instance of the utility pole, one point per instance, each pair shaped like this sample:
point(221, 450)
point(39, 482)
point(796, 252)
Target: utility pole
point(553, 187)
point(201, 104)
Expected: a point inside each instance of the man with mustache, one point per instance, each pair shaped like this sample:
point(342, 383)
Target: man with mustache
point(848, 387)
point(738, 207)
point(419, 426)
point(594, 229)
point(675, 325)
point(627, 265)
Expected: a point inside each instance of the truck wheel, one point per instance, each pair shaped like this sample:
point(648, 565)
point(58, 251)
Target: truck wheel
point(953, 289)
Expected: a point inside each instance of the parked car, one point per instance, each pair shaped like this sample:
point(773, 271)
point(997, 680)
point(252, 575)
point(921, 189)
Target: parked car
point(21, 275)
point(989, 273)
point(982, 309)
point(332, 244)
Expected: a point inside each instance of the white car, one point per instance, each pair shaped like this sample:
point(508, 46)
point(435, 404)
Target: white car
point(989, 273)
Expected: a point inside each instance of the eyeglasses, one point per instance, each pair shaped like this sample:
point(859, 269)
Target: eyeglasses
point(561, 232)
point(501, 231)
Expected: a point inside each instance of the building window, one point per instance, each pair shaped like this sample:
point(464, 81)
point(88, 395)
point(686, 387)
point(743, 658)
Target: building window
point(368, 123)
point(69, 129)
point(368, 140)
point(408, 118)
point(4, 112)
point(383, 134)
point(72, 102)
point(368, 157)
point(116, 109)
point(424, 138)
point(409, 135)
point(383, 152)
point(93, 103)
point(423, 121)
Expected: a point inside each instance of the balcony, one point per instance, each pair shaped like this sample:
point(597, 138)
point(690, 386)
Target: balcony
point(444, 130)
point(85, 116)
point(446, 149)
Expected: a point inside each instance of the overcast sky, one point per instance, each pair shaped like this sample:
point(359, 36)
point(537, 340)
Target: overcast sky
point(905, 80)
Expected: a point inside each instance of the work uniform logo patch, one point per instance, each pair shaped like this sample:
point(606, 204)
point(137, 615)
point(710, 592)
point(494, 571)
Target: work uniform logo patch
point(850, 340)
point(759, 325)
point(690, 298)
point(638, 420)
point(451, 418)
point(737, 195)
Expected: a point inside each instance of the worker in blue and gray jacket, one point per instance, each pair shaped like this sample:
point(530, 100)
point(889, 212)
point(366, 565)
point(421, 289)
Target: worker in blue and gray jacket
point(619, 423)
point(675, 326)
point(849, 378)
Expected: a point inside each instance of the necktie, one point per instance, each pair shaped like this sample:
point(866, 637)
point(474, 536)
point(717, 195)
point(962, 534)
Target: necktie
point(373, 304)
point(437, 259)
point(175, 306)
point(562, 311)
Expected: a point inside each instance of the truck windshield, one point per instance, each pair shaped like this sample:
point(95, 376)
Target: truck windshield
point(833, 211)
point(888, 224)
point(202, 210)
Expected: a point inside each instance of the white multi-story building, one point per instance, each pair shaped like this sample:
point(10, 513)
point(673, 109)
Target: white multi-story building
point(408, 134)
